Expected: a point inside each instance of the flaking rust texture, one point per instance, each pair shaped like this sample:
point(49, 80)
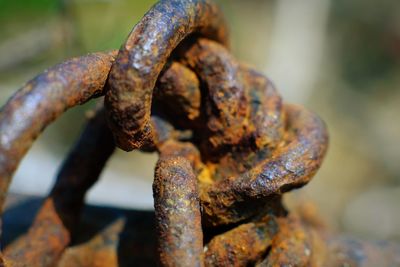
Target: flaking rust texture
point(41, 101)
point(141, 59)
point(243, 245)
point(100, 251)
point(228, 147)
point(177, 208)
point(57, 219)
point(252, 145)
point(178, 88)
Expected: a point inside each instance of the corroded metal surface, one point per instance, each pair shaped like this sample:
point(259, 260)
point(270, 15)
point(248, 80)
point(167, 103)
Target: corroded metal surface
point(142, 57)
point(100, 251)
point(41, 101)
point(178, 88)
point(228, 145)
point(243, 245)
point(55, 222)
point(177, 209)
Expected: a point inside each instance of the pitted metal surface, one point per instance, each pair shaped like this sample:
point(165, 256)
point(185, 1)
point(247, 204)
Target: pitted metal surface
point(228, 147)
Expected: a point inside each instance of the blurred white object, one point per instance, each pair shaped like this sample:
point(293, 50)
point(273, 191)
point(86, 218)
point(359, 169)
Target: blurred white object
point(297, 42)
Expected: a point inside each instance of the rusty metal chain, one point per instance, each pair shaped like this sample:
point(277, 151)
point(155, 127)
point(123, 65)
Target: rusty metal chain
point(228, 149)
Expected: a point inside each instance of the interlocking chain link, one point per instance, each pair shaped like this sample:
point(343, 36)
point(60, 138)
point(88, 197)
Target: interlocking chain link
point(228, 149)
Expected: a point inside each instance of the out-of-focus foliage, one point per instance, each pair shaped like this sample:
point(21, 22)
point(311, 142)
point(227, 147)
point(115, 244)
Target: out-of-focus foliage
point(367, 40)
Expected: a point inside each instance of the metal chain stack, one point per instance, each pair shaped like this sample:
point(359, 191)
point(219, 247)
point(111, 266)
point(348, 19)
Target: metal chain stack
point(228, 149)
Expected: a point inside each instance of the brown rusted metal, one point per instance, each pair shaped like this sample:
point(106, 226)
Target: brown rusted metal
point(41, 101)
point(228, 146)
point(226, 106)
point(178, 89)
point(291, 246)
point(252, 146)
point(52, 229)
point(142, 57)
point(290, 166)
point(177, 209)
point(243, 245)
point(100, 251)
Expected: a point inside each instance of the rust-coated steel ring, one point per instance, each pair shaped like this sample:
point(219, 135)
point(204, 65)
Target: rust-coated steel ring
point(142, 57)
point(290, 166)
point(42, 100)
point(56, 222)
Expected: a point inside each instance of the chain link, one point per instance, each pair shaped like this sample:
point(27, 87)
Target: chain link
point(228, 149)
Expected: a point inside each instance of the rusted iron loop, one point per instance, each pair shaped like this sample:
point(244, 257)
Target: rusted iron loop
point(35, 106)
point(41, 101)
point(250, 147)
point(289, 167)
point(228, 149)
point(142, 57)
point(56, 221)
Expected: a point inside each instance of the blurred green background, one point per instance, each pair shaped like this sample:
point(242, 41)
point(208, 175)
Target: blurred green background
point(339, 58)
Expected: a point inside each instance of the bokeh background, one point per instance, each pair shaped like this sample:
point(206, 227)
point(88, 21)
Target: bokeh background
point(339, 58)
